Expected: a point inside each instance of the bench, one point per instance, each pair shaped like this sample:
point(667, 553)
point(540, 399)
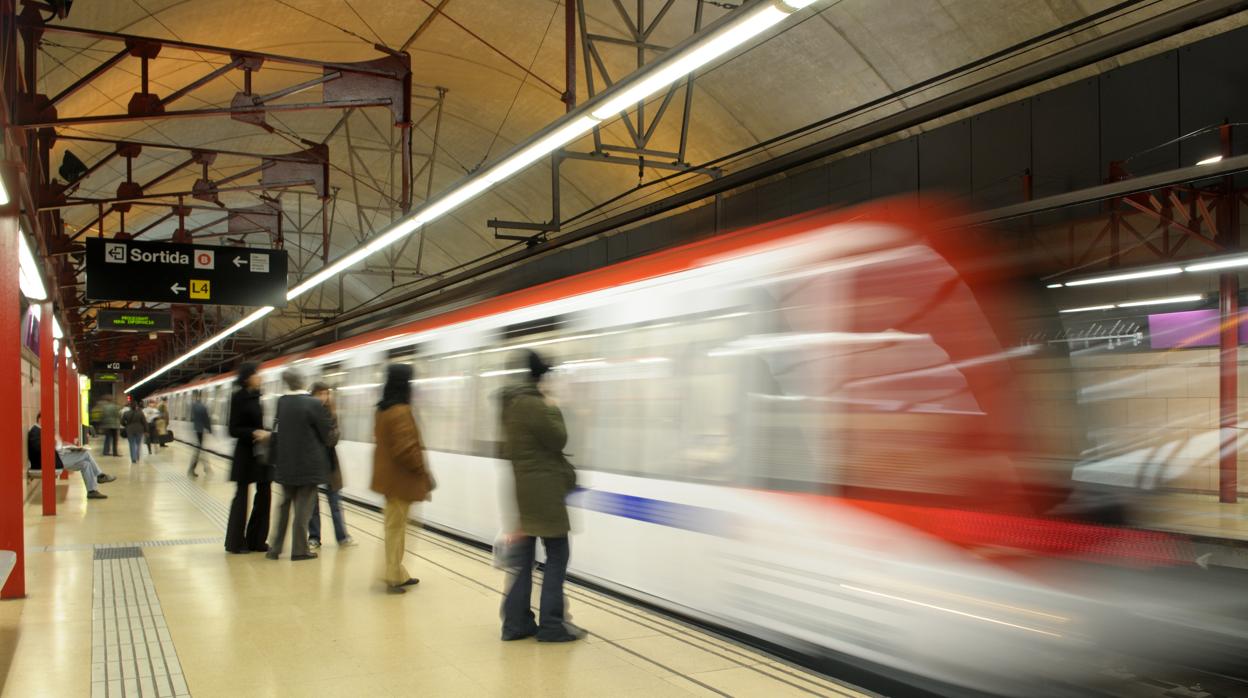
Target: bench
point(8, 560)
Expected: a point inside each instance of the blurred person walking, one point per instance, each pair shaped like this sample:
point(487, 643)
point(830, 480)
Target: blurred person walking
point(303, 436)
point(320, 391)
point(162, 423)
point(135, 424)
point(151, 415)
point(110, 424)
point(400, 472)
point(201, 423)
point(249, 465)
point(533, 439)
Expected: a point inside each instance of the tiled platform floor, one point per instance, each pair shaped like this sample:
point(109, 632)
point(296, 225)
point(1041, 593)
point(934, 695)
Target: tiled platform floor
point(1196, 514)
point(246, 626)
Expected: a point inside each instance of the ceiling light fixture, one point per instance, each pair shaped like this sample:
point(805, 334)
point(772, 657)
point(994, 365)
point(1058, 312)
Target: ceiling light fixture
point(28, 277)
point(1190, 298)
point(1224, 263)
point(744, 24)
point(1086, 308)
point(1129, 276)
point(1211, 160)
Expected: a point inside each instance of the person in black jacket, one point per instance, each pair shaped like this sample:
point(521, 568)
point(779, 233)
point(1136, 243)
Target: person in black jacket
point(247, 427)
point(304, 435)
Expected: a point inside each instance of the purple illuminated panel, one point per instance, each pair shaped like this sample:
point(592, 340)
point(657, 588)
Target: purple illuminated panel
point(1190, 328)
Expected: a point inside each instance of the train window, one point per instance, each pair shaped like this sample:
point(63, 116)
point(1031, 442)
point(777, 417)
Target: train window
point(443, 399)
point(356, 399)
point(333, 374)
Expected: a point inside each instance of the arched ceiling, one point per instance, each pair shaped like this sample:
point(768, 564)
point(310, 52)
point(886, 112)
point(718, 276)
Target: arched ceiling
point(501, 66)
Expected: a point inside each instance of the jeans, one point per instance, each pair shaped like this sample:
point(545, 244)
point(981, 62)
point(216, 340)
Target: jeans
point(110, 442)
point(396, 540)
point(243, 534)
point(199, 447)
point(335, 513)
point(81, 460)
point(136, 446)
point(301, 498)
point(517, 614)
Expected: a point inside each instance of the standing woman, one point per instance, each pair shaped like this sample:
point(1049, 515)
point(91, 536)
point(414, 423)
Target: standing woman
point(534, 436)
point(399, 469)
point(135, 424)
point(245, 535)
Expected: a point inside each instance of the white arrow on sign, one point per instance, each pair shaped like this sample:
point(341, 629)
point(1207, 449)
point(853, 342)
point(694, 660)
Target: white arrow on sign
point(239, 261)
point(176, 288)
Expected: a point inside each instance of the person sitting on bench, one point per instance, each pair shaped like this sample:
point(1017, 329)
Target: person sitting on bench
point(71, 457)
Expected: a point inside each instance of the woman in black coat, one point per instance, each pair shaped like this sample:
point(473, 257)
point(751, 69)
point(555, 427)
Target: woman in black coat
point(247, 426)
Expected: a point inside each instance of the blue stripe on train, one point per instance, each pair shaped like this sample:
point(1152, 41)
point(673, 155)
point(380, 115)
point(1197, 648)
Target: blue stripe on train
point(655, 511)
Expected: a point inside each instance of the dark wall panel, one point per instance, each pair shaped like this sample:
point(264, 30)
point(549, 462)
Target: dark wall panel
point(1139, 112)
point(895, 169)
point(1001, 154)
point(1066, 139)
point(1213, 86)
point(849, 180)
point(945, 162)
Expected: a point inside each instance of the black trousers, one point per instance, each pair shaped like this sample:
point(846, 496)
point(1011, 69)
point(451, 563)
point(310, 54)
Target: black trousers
point(517, 613)
point(243, 533)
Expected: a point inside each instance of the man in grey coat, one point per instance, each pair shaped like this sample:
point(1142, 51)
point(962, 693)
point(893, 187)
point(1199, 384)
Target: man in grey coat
point(302, 436)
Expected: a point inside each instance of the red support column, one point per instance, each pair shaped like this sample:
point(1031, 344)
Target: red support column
point(47, 408)
point(64, 401)
point(12, 467)
point(1228, 389)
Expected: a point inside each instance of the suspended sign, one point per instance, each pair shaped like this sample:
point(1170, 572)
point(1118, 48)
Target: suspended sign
point(113, 366)
point(134, 320)
point(163, 272)
point(107, 378)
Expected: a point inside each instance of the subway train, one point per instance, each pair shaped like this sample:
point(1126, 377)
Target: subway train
point(812, 432)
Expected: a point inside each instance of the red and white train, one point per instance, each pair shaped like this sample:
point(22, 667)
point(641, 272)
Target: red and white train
point(812, 431)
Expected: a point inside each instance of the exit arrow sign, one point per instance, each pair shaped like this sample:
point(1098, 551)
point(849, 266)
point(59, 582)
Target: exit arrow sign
point(165, 272)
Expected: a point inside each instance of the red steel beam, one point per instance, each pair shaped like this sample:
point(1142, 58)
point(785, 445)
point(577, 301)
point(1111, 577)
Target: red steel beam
point(213, 111)
point(47, 409)
point(1228, 389)
point(204, 48)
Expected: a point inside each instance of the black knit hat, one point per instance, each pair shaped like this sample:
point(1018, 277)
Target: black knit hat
point(537, 366)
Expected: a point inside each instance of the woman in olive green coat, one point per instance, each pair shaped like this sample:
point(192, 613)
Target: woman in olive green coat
point(533, 439)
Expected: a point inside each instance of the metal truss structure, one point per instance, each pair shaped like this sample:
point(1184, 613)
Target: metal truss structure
point(638, 151)
point(294, 195)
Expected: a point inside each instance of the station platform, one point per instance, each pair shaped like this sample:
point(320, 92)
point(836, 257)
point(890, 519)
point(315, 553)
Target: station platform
point(134, 596)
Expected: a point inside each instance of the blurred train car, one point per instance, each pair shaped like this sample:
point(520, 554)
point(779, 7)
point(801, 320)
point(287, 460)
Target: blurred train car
point(810, 431)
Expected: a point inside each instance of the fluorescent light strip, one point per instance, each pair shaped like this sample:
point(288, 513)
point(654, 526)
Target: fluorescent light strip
point(1191, 298)
point(29, 279)
point(1055, 285)
point(749, 24)
point(1213, 160)
point(1129, 276)
point(1087, 308)
point(247, 320)
point(1225, 263)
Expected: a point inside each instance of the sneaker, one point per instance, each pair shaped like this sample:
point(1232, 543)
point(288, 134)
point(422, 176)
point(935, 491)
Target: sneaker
point(105, 477)
point(314, 544)
point(347, 542)
point(96, 494)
